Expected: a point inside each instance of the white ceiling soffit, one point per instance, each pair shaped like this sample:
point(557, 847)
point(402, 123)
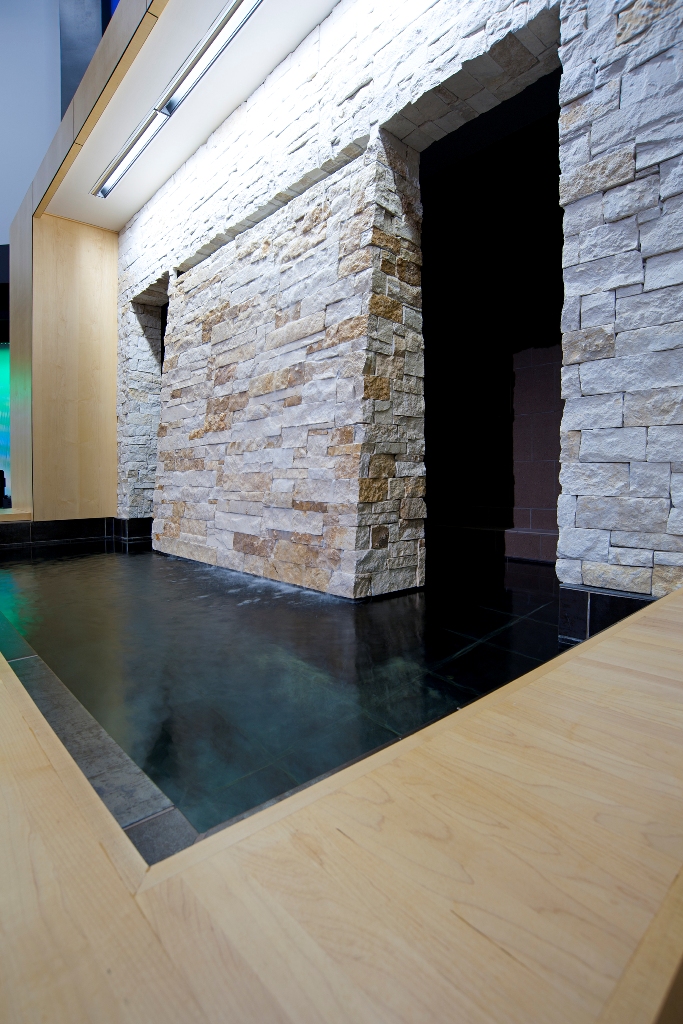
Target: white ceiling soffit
point(273, 31)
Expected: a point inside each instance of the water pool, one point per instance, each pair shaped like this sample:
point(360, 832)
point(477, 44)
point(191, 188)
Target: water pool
point(228, 690)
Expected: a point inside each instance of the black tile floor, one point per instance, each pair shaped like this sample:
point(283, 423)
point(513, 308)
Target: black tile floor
point(229, 691)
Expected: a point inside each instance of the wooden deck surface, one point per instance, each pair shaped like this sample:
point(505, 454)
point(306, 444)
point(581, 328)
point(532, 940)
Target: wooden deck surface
point(517, 862)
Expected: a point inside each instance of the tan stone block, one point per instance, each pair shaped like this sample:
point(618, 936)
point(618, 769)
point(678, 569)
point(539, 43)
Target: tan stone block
point(415, 486)
point(344, 449)
point(292, 400)
point(570, 445)
point(387, 308)
point(347, 467)
point(639, 17)
point(591, 343)
point(666, 578)
point(408, 272)
point(388, 264)
point(251, 545)
point(413, 508)
point(298, 575)
point(309, 506)
point(382, 465)
point(377, 387)
point(342, 435)
point(385, 241)
point(346, 330)
point(296, 330)
point(355, 262)
point(372, 490)
point(617, 577)
point(598, 175)
point(285, 316)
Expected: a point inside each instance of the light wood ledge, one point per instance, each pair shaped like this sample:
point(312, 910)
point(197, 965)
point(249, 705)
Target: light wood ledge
point(520, 861)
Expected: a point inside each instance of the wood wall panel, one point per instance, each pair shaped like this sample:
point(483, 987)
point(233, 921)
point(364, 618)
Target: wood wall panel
point(74, 369)
point(21, 328)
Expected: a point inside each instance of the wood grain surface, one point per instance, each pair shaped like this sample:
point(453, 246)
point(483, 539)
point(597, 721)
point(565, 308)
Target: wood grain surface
point(520, 861)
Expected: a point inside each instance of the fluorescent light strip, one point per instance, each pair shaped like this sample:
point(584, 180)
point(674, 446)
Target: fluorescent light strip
point(211, 47)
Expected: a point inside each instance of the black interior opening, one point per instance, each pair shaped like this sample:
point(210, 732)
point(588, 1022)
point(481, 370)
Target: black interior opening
point(492, 293)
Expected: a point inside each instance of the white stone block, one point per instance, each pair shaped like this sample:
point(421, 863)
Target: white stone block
point(648, 309)
point(675, 524)
point(578, 543)
point(571, 382)
point(671, 172)
point(668, 558)
point(663, 271)
point(593, 411)
point(649, 479)
point(618, 444)
point(568, 570)
point(595, 478)
point(604, 274)
point(665, 444)
point(655, 406)
point(677, 489)
point(566, 510)
point(630, 199)
point(619, 513)
point(608, 240)
point(649, 339)
point(598, 309)
point(633, 373)
point(583, 215)
point(577, 81)
point(630, 556)
point(665, 234)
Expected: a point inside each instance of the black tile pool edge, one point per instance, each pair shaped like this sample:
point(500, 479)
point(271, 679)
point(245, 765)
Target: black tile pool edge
point(27, 540)
point(154, 825)
point(147, 816)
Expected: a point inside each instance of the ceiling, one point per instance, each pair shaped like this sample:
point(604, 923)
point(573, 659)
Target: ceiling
point(273, 31)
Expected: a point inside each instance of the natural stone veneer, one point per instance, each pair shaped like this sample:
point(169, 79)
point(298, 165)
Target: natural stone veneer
point(621, 510)
point(291, 435)
point(291, 441)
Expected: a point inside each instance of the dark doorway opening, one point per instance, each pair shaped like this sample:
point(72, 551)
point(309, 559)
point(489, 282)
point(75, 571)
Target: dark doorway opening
point(492, 291)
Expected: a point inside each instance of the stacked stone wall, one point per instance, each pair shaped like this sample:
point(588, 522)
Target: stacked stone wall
point(621, 508)
point(291, 441)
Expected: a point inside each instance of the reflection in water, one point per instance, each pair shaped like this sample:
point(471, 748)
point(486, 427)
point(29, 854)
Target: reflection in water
point(229, 690)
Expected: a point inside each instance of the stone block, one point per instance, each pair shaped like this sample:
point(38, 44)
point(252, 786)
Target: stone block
point(568, 570)
point(566, 510)
point(668, 557)
point(633, 373)
point(665, 443)
point(598, 175)
point(648, 309)
point(580, 543)
point(599, 478)
point(583, 215)
point(675, 524)
point(665, 234)
point(658, 541)
point(571, 383)
point(677, 489)
point(663, 271)
point(577, 81)
point(671, 173)
point(617, 577)
point(619, 513)
point(649, 479)
point(666, 579)
point(582, 346)
point(608, 240)
point(603, 274)
point(654, 406)
point(650, 339)
point(598, 310)
point(630, 556)
point(613, 444)
point(630, 199)
point(593, 411)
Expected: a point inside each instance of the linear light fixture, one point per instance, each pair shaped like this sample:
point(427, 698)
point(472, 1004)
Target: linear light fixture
point(220, 35)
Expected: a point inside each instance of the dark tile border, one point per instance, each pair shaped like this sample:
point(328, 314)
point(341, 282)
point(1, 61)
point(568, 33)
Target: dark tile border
point(153, 824)
point(41, 539)
point(585, 611)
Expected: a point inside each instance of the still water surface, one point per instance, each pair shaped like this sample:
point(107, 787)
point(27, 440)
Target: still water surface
point(228, 690)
